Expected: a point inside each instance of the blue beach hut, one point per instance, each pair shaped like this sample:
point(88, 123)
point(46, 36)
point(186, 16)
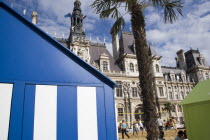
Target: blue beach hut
point(47, 92)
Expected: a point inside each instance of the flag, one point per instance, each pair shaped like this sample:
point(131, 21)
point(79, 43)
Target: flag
point(68, 15)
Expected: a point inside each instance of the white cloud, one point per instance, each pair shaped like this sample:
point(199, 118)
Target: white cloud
point(192, 30)
point(109, 47)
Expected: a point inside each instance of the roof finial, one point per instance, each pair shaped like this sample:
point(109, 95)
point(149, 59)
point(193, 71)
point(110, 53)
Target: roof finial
point(97, 39)
point(198, 50)
point(63, 35)
point(24, 12)
point(55, 34)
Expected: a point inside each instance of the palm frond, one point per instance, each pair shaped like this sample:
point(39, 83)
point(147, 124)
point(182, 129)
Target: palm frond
point(113, 12)
point(170, 10)
point(118, 25)
point(101, 5)
point(156, 2)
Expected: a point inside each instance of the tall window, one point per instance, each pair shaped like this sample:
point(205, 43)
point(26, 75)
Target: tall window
point(105, 65)
point(161, 91)
point(177, 96)
point(131, 67)
point(182, 94)
point(120, 111)
point(134, 91)
point(119, 89)
point(170, 95)
point(157, 68)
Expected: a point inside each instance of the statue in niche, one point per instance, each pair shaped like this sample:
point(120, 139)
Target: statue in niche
point(84, 54)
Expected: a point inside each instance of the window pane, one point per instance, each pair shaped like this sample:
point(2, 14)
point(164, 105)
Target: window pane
point(131, 67)
point(120, 111)
point(134, 91)
point(161, 91)
point(119, 89)
point(105, 65)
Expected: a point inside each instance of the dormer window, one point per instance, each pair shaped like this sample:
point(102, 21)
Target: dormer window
point(104, 62)
point(157, 68)
point(105, 65)
point(131, 67)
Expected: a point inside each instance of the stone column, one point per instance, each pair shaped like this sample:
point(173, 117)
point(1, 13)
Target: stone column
point(176, 110)
point(126, 108)
point(130, 109)
point(126, 91)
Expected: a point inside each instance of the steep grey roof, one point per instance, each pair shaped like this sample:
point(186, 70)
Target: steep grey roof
point(126, 43)
point(152, 51)
point(63, 41)
point(97, 50)
point(167, 70)
point(192, 58)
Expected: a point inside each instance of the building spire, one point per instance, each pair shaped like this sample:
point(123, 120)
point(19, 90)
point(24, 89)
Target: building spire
point(77, 30)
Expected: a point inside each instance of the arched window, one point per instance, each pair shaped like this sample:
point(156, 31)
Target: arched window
point(157, 68)
point(131, 67)
point(105, 65)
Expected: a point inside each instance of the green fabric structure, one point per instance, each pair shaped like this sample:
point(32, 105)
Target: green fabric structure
point(197, 112)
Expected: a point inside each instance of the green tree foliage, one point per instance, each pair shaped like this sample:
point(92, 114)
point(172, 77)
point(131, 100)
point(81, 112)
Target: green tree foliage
point(169, 107)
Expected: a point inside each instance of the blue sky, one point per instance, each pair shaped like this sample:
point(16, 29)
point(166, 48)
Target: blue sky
point(191, 30)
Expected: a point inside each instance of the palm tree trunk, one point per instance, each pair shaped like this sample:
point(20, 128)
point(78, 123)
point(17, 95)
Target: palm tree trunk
point(145, 76)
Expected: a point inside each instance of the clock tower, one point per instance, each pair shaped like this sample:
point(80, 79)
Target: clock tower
point(77, 31)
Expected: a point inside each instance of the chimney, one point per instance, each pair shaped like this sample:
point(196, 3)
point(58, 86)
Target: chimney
point(34, 17)
point(115, 46)
point(181, 60)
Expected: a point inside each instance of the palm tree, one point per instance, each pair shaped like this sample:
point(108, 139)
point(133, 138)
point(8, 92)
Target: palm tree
point(169, 107)
point(110, 8)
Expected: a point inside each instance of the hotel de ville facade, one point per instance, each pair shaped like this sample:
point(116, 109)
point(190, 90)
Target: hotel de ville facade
point(171, 84)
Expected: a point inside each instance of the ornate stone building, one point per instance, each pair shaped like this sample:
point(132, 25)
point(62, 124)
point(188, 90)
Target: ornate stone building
point(171, 84)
